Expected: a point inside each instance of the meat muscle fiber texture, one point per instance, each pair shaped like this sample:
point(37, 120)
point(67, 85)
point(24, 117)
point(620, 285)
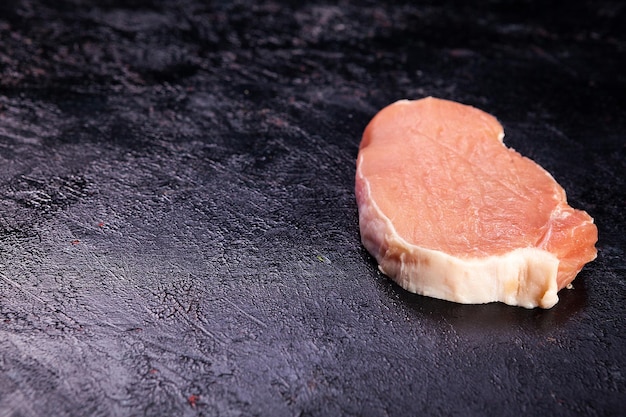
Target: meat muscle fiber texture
point(449, 211)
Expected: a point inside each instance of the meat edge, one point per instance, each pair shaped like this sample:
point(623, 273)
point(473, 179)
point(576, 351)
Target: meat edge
point(525, 277)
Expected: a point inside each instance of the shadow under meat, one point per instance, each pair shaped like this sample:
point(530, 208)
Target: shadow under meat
point(495, 317)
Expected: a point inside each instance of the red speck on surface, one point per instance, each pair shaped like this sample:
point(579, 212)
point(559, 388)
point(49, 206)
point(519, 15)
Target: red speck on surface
point(154, 371)
point(277, 121)
point(101, 224)
point(75, 242)
point(193, 399)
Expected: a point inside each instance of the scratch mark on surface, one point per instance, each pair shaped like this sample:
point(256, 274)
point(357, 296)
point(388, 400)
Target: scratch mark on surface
point(24, 290)
point(245, 313)
point(36, 297)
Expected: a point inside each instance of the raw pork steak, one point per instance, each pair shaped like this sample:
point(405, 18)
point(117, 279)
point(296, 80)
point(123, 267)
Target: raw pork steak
point(449, 211)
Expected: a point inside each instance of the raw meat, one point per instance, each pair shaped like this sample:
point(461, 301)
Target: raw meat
point(449, 211)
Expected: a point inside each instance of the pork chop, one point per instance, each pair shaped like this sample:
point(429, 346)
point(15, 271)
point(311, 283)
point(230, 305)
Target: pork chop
point(449, 211)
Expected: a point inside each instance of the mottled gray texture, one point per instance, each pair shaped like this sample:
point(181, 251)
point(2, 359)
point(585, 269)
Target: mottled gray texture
point(178, 230)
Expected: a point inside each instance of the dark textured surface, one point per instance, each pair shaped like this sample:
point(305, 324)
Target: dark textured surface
point(178, 230)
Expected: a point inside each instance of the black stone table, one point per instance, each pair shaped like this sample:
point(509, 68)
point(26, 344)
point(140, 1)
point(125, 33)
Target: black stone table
point(178, 228)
